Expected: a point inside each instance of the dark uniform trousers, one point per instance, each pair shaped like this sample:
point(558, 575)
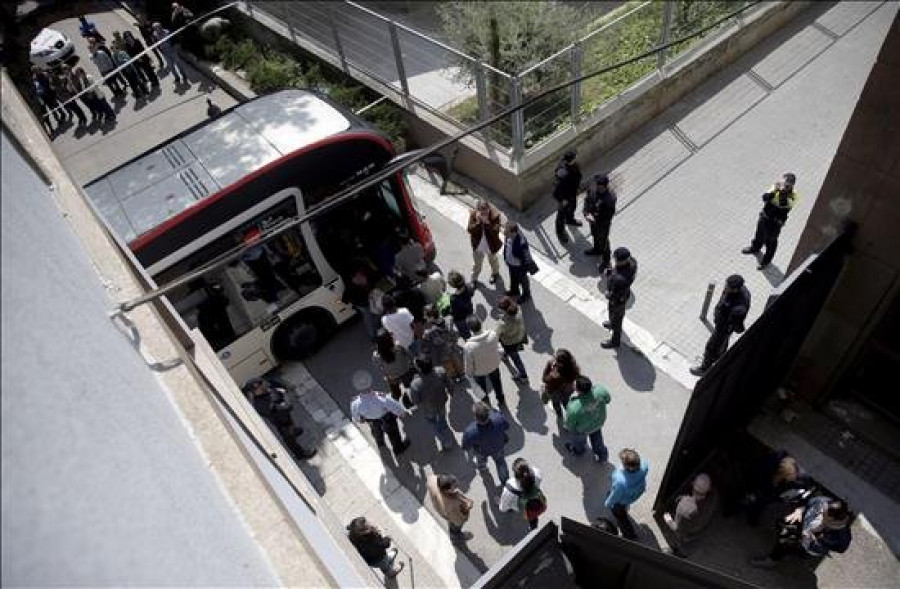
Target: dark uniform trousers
point(565, 213)
point(716, 346)
point(600, 234)
point(387, 424)
point(616, 317)
point(767, 232)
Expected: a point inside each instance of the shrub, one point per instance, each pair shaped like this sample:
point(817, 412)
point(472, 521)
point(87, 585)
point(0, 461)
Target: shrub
point(271, 73)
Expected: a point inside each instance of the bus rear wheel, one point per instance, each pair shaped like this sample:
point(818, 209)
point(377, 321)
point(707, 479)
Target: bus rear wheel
point(302, 336)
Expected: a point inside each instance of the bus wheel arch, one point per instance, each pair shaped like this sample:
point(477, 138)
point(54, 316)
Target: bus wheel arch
point(302, 334)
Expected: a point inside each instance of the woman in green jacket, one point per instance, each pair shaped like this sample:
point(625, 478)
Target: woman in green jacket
point(511, 332)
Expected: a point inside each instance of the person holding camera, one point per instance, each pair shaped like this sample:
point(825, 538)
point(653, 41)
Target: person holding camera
point(484, 234)
point(729, 315)
point(816, 529)
point(519, 262)
point(271, 401)
point(777, 203)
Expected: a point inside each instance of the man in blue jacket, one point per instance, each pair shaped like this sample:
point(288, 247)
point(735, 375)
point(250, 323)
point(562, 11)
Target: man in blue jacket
point(486, 438)
point(628, 484)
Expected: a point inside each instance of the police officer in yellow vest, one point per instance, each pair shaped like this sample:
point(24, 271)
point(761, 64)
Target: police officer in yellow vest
point(778, 202)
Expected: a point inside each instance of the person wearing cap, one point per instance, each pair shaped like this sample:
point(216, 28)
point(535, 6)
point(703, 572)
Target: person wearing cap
point(484, 236)
point(777, 203)
point(599, 209)
point(728, 318)
point(566, 183)
point(379, 411)
point(618, 291)
point(692, 513)
point(519, 262)
point(271, 401)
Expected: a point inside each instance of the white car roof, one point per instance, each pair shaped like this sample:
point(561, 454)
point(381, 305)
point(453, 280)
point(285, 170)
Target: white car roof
point(160, 184)
point(45, 39)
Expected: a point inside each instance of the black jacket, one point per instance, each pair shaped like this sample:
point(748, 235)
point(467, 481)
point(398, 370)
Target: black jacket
point(566, 180)
point(602, 205)
point(274, 406)
point(372, 547)
point(731, 310)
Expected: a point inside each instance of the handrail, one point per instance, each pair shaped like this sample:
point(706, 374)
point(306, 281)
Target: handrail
point(350, 192)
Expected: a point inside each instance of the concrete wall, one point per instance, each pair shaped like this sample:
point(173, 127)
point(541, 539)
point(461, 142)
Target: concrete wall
point(102, 483)
point(863, 186)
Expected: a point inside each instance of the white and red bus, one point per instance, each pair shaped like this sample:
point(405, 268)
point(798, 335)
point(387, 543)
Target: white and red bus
point(223, 182)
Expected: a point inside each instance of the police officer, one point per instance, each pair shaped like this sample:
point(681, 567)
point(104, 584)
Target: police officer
point(731, 310)
point(778, 202)
point(618, 291)
point(599, 208)
point(271, 401)
point(566, 182)
point(379, 411)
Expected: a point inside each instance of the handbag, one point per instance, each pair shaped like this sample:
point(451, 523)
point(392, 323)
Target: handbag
point(531, 266)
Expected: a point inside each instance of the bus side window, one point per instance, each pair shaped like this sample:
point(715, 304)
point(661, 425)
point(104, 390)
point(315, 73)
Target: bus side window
point(389, 197)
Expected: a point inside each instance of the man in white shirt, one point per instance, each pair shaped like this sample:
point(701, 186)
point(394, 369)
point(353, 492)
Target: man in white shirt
point(399, 323)
point(379, 411)
point(481, 357)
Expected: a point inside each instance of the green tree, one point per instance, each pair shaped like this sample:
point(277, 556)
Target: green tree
point(509, 36)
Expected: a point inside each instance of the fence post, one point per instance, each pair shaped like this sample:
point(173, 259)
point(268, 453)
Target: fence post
point(337, 40)
point(398, 58)
point(668, 9)
point(518, 119)
point(481, 91)
point(576, 55)
point(710, 289)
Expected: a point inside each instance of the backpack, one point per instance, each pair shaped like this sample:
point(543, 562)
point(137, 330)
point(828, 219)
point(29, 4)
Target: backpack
point(531, 503)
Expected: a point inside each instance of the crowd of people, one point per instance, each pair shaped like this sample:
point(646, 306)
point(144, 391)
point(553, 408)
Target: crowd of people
point(429, 345)
point(121, 61)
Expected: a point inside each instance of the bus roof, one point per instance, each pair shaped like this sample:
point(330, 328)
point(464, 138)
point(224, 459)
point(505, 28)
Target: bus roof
point(158, 185)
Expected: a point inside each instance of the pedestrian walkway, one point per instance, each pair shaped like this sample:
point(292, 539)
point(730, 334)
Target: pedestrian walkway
point(351, 477)
point(689, 182)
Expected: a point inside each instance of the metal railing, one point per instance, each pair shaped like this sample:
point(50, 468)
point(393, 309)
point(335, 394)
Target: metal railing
point(462, 90)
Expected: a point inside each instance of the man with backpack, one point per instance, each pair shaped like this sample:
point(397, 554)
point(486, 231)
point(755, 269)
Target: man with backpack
point(523, 493)
point(585, 416)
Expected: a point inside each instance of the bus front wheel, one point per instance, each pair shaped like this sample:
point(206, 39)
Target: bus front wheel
point(302, 336)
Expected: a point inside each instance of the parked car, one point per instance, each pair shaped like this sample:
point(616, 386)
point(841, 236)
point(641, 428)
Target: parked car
point(51, 48)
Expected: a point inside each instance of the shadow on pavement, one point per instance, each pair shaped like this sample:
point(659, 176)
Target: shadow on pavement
point(538, 331)
point(529, 410)
point(636, 369)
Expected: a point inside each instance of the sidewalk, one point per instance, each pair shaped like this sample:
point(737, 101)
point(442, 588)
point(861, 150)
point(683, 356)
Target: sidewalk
point(689, 182)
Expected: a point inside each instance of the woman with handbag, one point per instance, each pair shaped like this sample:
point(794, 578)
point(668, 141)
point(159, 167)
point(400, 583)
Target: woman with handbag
point(396, 364)
point(512, 336)
point(559, 378)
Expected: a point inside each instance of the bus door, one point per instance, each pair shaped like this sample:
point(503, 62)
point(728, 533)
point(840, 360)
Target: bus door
point(239, 307)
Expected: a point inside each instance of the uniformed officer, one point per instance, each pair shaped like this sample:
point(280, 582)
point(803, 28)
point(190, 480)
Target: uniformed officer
point(599, 208)
point(271, 401)
point(731, 310)
point(618, 291)
point(379, 411)
point(566, 182)
point(778, 202)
